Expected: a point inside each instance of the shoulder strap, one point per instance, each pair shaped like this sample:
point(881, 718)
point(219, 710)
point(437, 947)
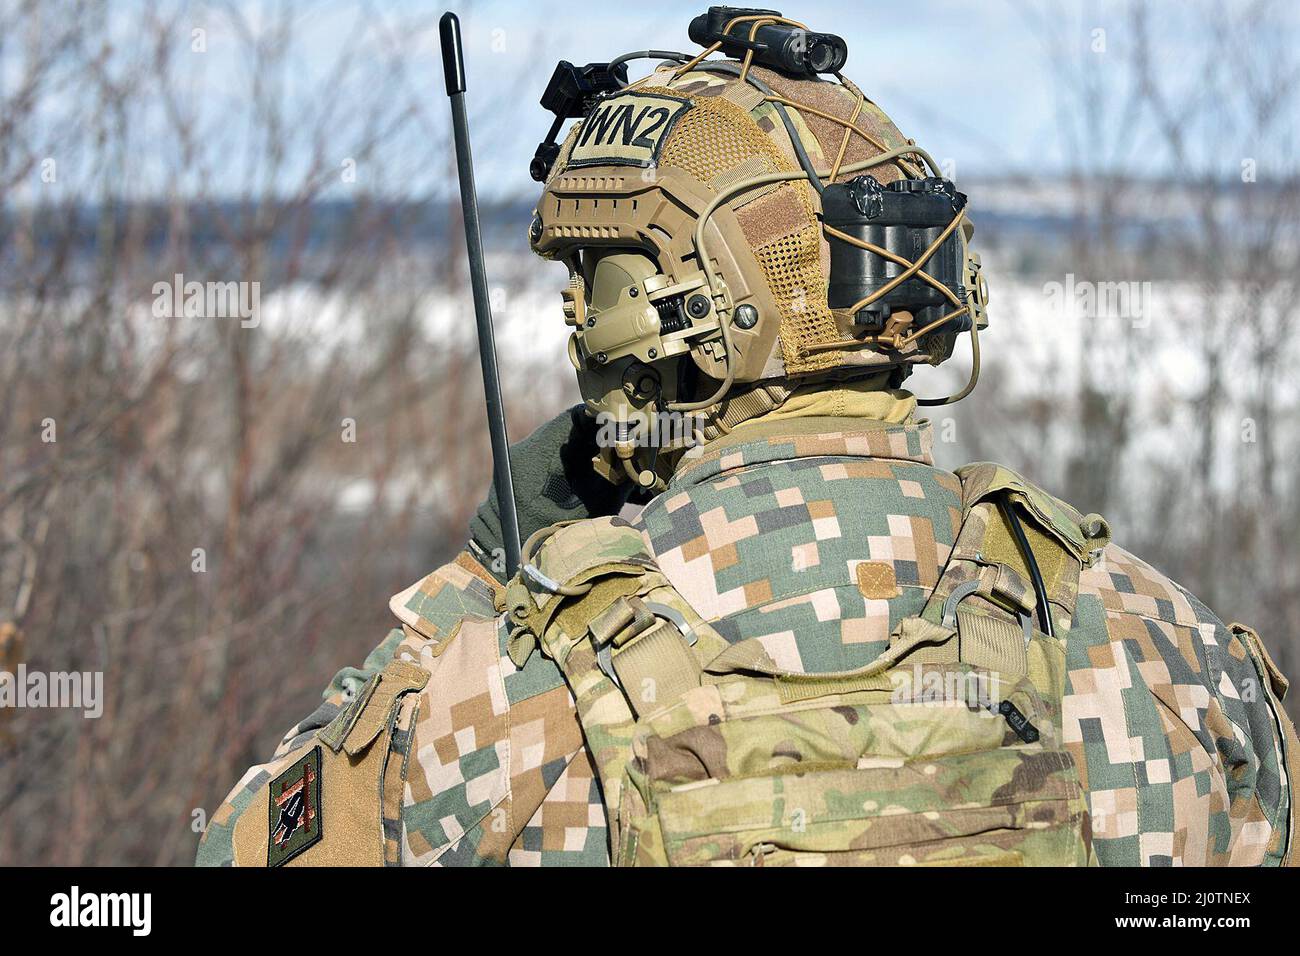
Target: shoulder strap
point(1017, 557)
point(595, 583)
point(591, 597)
point(1082, 536)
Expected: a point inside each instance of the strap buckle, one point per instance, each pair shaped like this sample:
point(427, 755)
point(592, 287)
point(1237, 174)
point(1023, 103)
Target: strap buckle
point(653, 642)
point(619, 624)
point(965, 590)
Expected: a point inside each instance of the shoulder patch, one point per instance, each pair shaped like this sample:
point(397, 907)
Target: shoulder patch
point(294, 807)
point(627, 129)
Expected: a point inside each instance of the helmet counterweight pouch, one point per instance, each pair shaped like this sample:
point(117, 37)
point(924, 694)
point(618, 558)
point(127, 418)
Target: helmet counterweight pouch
point(944, 751)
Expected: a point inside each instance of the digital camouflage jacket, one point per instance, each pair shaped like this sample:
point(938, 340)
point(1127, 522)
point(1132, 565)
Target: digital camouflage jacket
point(813, 538)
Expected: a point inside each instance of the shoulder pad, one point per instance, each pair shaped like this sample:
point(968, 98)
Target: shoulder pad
point(1082, 535)
point(561, 561)
point(434, 606)
point(571, 550)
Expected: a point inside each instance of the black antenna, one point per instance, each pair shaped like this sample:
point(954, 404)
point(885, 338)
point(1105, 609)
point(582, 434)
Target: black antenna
point(453, 64)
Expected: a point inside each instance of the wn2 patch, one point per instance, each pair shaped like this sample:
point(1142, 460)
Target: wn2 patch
point(295, 810)
point(627, 129)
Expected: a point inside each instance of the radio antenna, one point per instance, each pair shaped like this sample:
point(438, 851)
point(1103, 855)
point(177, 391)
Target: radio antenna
point(453, 64)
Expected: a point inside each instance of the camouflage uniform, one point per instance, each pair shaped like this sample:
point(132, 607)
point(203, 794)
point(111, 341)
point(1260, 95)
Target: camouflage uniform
point(811, 538)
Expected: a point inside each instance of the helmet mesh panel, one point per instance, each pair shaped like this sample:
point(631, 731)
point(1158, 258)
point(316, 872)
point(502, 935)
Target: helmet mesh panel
point(792, 266)
point(714, 137)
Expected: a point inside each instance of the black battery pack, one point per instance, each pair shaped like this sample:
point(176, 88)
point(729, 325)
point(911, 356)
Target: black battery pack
point(904, 218)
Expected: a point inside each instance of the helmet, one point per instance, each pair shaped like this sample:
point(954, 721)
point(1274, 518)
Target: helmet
point(735, 230)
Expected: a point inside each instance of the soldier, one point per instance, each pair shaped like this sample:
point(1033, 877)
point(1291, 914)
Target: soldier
point(756, 624)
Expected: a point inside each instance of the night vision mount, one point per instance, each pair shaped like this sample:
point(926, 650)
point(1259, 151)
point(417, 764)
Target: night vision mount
point(570, 94)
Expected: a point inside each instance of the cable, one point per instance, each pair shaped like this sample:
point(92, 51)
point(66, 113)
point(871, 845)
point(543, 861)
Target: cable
point(848, 135)
point(673, 55)
point(974, 372)
point(733, 69)
point(1036, 576)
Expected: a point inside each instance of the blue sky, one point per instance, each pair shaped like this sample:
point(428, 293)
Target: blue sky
point(964, 78)
point(978, 83)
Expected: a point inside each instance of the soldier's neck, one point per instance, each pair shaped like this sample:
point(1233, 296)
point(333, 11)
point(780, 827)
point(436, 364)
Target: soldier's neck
point(865, 399)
